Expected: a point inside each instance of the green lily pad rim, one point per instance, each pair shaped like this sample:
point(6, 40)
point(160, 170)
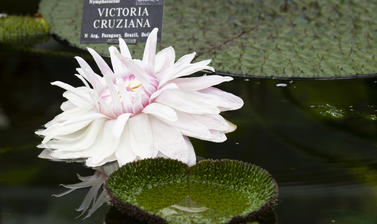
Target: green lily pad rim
point(340, 77)
point(128, 208)
point(246, 75)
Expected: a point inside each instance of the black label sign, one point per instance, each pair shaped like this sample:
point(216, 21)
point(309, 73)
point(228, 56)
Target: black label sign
point(104, 21)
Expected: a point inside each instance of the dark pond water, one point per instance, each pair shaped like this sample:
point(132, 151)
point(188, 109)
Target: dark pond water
point(317, 138)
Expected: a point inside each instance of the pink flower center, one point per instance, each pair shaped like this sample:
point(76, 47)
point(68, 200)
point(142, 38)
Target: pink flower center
point(125, 94)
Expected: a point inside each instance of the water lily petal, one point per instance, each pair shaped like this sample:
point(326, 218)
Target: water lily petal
point(217, 136)
point(166, 75)
point(124, 49)
point(64, 193)
point(102, 65)
point(116, 102)
point(82, 141)
point(191, 157)
point(161, 111)
point(78, 101)
point(226, 101)
point(141, 136)
point(150, 51)
point(199, 83)
point(84, 65)
point(91, 76)
point(169, 141)
point(188, 126)
point(97, 155)
point(46, 154)
point(58, 129)
point(67, 105)
point(193, 68)
point(91, 116)
point(189, 102)
point(118, 66)
point(168, 86)
point(68, 114)
point(120, 124)
point(102, 198)
point(193, 128)
point(140, 74)
point(90, 197)
point(214, 122)
point(65, 86)
point(164, 59)
point(186, 59)
point(124, 152)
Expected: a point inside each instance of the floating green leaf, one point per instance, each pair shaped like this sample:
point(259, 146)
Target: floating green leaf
point(270, 38)
point(23, 30)
point(163, 190)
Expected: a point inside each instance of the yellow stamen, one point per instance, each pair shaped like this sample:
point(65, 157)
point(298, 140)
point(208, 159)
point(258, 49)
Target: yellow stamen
point(135, 87)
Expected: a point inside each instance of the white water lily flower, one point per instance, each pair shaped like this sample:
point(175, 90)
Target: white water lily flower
point(96, 195)
point(138, 109)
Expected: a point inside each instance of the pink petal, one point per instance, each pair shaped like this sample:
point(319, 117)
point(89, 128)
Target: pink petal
point(138, 71)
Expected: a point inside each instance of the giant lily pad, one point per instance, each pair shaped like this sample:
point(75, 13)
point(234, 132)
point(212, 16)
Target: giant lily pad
point(270, 38)
point(167, 191)
point(23, 30)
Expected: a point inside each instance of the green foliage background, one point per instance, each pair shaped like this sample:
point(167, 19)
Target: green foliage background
point(269, 38)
